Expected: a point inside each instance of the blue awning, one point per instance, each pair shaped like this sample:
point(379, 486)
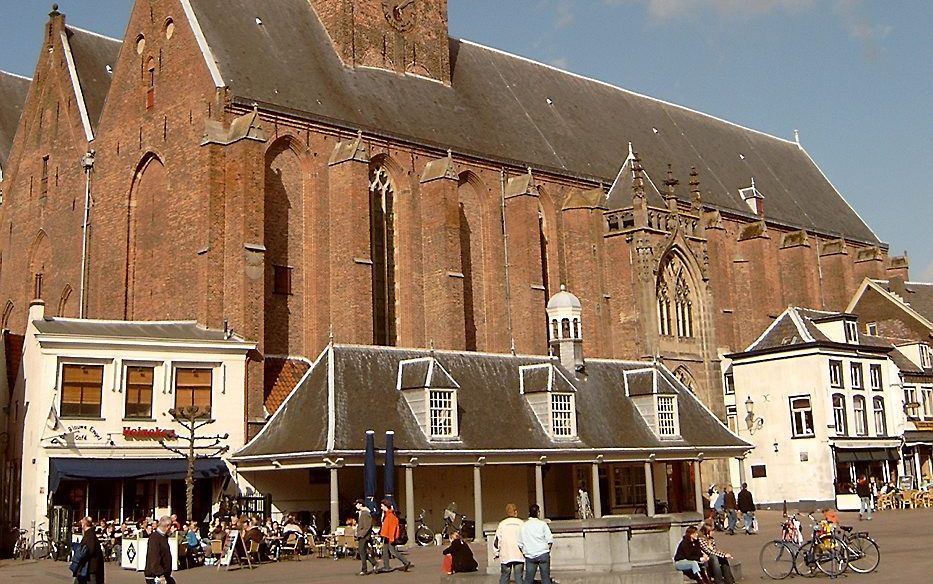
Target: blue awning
point(131, 468)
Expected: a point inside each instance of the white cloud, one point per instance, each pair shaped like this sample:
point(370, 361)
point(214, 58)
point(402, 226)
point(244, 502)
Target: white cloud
point(860, 27)
point(674, 9)
point(564, 13)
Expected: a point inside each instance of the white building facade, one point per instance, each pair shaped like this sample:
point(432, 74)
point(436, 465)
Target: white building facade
point(822, 404)
point(92, 403)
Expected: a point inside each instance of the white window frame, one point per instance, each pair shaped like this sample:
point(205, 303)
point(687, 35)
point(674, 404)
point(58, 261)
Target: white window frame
point(840, 421)
point(872, 329)
point(835, 373)
point(860, 415)
point(880, 415)
point(668, 417)
point(799, 413)
point(875, 376)
point(451, 423)
point(732, 417)
point(851, 331)
point(857, 375)
point(564, 419)
point(910, 396)
point(926, 402)
point(925, 359)
point(728, 382)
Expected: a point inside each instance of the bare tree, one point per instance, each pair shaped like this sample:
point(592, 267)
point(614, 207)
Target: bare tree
point(192, 419)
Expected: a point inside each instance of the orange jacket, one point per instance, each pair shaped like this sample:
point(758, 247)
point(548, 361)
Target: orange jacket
point(389, 529)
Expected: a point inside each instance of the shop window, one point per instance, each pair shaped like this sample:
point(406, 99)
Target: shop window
point(855, 370)
point(139, 392)
point(193, 388)
point(874, 377)
point(839, 414)
point(801, 414)
point(835, 373)
point(81, 391)
point(861, 416)
point(881, 428)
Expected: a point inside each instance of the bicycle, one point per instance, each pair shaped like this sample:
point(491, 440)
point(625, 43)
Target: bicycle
point(825, 552)
point(864, 553)
point(43, 547)
point(778, 557)
point(21, 547)
point(424, 535)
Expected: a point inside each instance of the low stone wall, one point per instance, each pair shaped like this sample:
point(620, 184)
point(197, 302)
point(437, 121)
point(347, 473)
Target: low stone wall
point(609, 544)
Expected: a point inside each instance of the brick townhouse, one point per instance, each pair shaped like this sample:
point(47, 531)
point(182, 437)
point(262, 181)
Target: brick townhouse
point(305, 168)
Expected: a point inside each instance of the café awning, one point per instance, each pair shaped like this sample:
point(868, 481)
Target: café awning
point(866, 454)
point(130, 468)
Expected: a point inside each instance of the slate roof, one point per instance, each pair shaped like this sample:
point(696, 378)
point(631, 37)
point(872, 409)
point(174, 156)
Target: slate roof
point(508, 108)
point(13, 90)
point(795, 326)
point(917, 295)
point(92, 54)
point(494, 416)
point(282, 374)
point(159, 330)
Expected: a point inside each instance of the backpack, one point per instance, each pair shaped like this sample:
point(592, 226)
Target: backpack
point(402, 537)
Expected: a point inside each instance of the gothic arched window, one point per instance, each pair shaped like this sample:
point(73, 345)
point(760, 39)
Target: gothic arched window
point(675, 300)
point(382, 248)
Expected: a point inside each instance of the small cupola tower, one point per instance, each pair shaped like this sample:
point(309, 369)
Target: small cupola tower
point(565, 329)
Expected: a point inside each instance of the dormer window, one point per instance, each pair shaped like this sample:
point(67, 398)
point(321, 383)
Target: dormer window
point(431, 394)
point(551, 397)
point(925, 356)
point(851, 331)
point(667, 415)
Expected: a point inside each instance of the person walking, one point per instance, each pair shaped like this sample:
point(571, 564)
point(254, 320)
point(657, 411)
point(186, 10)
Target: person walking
point(535, 540)
point(87, 564)
point(364, 535)
point(389, 533)
point(730, 505)
point(863, 490)
point(747, 506)
point(511, 560)
point(159, 556)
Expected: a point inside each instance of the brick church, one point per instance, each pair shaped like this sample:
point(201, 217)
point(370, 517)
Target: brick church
point(305, 169)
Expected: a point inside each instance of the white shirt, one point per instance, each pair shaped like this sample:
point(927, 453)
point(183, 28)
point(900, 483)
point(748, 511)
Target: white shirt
point(534, 538)
point(507, 539)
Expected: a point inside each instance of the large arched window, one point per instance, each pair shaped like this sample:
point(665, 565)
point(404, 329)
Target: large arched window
point(839, 414)
point(382, 248)
point(675, 300)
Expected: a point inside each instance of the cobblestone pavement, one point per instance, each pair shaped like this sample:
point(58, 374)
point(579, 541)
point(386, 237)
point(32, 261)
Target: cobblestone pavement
point(904, 537)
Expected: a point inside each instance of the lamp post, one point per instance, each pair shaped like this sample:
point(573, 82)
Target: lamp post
point(192, 418)
point(754, 424)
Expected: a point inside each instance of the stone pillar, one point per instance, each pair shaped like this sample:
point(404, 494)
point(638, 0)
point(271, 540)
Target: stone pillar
point(351, 264)
point(539, 487)
point(478, 498)
point(697, 486)
point(334, 496)
point(741, 470)
point(597, 496)
point(649, 489)
point(410, 490)
point(443, 276)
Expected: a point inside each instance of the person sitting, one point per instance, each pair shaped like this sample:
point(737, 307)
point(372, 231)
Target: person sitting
point(689, 557)
point(718, 560)
point(461, 556)
point(254, 534)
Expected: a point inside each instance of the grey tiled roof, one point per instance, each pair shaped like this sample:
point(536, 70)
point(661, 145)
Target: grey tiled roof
point(918, 295)
point(493, 413)
point(13, 90)
point(788, 331)
point(507, 108)
point(167, 330)
point(92, 54)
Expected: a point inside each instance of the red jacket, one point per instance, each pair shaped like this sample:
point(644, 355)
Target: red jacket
point(389, 529)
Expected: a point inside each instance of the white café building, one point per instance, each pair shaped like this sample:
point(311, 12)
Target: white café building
point(821, 402)
point(91, 402)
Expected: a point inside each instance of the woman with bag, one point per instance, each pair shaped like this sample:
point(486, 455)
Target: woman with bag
point(390, 535)
point(460, 554)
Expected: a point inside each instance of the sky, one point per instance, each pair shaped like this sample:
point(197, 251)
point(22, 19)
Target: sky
point(855, 77)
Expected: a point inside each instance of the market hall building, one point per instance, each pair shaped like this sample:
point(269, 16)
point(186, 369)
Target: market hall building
point(483, 430)
point(296, 167)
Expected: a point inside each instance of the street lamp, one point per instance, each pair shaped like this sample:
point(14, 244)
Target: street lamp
point(754, 424)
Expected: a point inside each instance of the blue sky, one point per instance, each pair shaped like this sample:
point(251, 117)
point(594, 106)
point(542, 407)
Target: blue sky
point(854, 77)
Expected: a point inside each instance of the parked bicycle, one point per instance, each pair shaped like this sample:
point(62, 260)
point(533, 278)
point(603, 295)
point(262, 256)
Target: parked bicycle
point(864, 554)
point(424, 535)
point(21, 547)
point(826, 552)
point(43, 547)
point(777, 557)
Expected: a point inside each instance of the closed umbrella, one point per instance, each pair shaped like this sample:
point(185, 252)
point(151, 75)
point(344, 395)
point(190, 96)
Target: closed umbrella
point(389, 478)
point(369, 471)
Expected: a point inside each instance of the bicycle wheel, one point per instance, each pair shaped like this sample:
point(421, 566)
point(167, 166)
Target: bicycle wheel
point(805, 561)
point(41, 550)
point(864, 555)
point(776, 559)
point(424, 536)
point(832, 556)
